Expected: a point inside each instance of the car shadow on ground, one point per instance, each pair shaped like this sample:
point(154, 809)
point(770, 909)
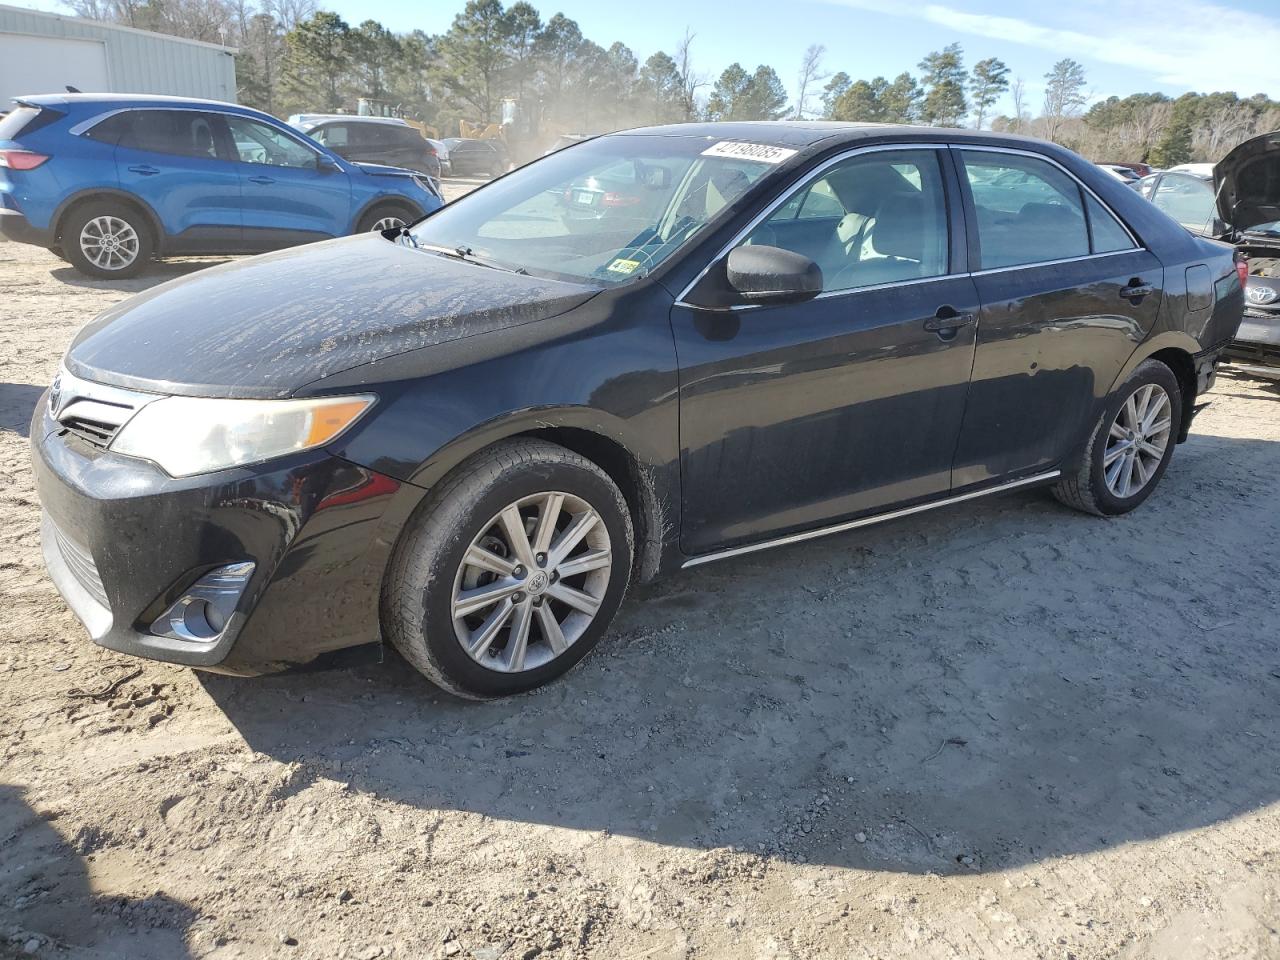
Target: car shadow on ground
point(153, 275)
point(971, 689)
point(54, 909)
point(17, 403)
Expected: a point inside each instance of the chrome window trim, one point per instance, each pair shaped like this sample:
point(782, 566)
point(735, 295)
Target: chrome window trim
point(975, 148)
point(869, 521)
point(783, 198)
point(883, 147)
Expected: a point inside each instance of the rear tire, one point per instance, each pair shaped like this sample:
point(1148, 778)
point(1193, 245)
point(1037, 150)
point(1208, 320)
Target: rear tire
point(1130, 447)
point(438, 606)
point(107, 239)
point(385, 216)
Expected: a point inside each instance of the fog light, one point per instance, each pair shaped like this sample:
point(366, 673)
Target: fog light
point(202, 613)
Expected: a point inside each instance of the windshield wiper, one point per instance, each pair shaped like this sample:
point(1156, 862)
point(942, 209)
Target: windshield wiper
point(467, 255)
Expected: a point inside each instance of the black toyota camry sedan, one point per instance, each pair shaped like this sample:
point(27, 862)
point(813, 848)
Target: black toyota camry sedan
point(469, 436)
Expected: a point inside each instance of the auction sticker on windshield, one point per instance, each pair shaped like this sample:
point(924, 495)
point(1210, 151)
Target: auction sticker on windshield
point(737, 150)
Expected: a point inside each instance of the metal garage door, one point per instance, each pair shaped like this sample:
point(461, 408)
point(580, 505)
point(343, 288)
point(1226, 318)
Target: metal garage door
point(48, 64)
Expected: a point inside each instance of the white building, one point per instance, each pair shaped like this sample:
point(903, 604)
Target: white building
point(47, 52)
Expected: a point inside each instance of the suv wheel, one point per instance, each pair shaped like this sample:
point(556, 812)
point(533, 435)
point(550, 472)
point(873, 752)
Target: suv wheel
point(1131, 445)
point(107, 239)
point(384, 217)
point(510, 574)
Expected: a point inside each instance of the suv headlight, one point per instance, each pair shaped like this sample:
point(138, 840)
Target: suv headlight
point(431, 185)
point(190, 435)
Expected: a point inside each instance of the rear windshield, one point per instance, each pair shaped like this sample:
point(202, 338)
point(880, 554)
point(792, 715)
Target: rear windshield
point(16, 121)
point(606, 212)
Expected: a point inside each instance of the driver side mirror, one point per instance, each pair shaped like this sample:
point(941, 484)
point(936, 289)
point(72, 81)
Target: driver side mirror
point(326, 165)
point(762, 274)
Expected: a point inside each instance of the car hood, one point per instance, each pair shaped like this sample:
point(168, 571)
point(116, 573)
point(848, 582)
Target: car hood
point(1247, 182)
point(381, 169)
point(266, 326)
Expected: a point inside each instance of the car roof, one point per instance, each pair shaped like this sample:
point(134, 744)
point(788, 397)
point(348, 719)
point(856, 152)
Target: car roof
point(808, 133)
point(319, 118)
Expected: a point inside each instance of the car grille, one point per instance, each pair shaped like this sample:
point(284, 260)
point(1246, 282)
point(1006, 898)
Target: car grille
point(80, 562)
point(90, 431)
point(92, 412)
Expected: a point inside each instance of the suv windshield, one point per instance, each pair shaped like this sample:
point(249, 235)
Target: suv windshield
point(607, 211)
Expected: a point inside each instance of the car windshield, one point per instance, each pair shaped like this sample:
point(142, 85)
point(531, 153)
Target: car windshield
point(605, 212)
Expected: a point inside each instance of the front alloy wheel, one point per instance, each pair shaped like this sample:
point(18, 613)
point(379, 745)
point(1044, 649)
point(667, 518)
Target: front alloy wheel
point(511, 571)
point(531, 582)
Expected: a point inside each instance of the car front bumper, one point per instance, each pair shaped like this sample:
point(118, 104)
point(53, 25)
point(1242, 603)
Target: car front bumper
point(1256, 347)
point(123, 541)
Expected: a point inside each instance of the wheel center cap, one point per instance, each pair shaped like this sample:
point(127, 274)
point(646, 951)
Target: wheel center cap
point(536, 583)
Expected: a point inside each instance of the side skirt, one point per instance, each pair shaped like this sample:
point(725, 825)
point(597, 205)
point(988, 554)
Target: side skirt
point(1039, 478)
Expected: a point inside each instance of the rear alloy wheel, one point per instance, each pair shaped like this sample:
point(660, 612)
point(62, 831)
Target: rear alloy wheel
point(1131, 445)
point(107, 240)
point(511, 573)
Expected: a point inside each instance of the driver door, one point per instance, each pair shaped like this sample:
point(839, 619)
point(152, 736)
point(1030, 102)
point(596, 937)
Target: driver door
point(798, 415)
point(286, 198)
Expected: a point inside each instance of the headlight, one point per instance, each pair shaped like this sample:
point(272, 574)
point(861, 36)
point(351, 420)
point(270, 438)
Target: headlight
point(429, 184)
point(189, 435)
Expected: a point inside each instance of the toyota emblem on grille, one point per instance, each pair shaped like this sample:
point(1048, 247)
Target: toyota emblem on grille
point(1260, 294)
point(55, 393)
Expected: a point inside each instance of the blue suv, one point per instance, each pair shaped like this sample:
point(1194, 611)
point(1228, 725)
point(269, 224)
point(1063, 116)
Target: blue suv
point(109, 182)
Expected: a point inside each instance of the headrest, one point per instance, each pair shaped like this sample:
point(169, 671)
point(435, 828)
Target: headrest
point(900, 226)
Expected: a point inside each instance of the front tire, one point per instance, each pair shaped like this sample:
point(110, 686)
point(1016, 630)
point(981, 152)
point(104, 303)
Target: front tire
point(1130, 447)
point(384, 217)
point(511, 573)
point(107, 239)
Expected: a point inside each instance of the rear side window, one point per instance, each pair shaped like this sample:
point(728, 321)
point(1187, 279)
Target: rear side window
point(1107, 233)
point(112, 129)
point(25, 120)
point(1028, 210)
point(183, 133)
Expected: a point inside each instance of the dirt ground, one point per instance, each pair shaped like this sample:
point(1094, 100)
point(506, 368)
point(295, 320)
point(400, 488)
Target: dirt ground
point(1002, 730)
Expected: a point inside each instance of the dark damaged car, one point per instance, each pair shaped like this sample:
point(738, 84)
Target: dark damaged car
point(468, 437)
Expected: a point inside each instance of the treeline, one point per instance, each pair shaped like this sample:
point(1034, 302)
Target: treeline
point(1146, 127)
point(295, 58)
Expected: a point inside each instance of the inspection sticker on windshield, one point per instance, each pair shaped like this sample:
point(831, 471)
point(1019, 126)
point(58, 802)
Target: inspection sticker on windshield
point(760, 152)
point(623, 266)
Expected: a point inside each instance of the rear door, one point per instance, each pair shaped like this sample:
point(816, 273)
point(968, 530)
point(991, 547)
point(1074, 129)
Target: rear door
point(1067, 295)
point(176, 161)
point(288, 197)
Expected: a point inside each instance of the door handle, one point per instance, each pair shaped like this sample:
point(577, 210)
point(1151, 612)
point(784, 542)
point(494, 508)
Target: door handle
point(145, 169)
point(1136, 290)
point(947, 319)
point(262, 180)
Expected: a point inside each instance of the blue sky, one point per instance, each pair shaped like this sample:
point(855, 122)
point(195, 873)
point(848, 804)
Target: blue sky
point(1169, 45)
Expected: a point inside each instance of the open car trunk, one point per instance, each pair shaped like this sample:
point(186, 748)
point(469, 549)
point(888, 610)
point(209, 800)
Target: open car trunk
point(1247, 184)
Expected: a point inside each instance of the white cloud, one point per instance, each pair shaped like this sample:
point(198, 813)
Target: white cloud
point(1186, 43)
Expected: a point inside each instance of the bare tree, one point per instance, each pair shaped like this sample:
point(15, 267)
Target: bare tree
point(1018, 90)
point(811, 74)
point(1063, 95)
point(290, 13)
point(690, 82)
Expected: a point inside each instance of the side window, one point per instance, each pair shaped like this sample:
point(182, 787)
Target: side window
point(112, 129)
point(883, 219)
point(1107, 234)
point(333, 136)
point(183, 133)
point(258, 143)
point(1189, 200)
point(1028, 210)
